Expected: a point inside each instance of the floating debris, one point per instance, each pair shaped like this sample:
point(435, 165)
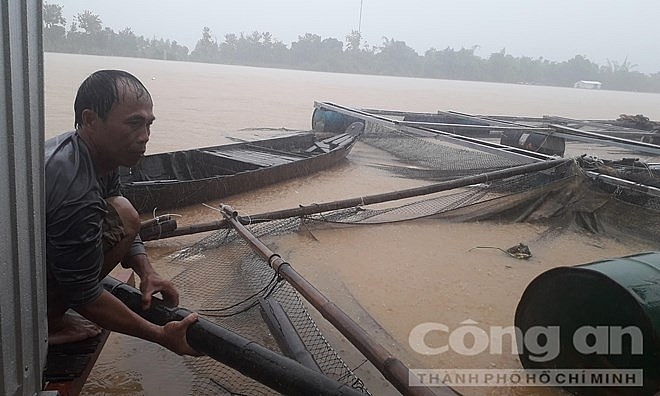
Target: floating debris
point(519, 251)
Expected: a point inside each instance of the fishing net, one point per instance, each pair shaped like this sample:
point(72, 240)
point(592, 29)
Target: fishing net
point(430, 158)
point(228, 283)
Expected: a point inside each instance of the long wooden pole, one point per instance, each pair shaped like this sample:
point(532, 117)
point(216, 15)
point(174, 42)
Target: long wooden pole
point(369, 199)
point(411, 192)
point(391, 367)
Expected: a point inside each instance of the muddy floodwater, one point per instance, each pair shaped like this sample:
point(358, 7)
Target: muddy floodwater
point(400, 275)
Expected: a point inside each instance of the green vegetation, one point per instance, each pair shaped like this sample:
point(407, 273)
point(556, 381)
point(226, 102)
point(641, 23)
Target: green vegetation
point(87, 35)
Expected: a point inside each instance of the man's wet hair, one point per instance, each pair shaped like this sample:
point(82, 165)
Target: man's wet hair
point(104, 88)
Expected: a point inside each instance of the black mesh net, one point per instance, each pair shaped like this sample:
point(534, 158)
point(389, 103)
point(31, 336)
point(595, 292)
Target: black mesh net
point(227, 282)
point(432, 159)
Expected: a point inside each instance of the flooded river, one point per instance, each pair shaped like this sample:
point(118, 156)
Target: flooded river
point(401, 275)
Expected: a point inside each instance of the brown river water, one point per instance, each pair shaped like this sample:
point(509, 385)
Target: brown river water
point(402, 275)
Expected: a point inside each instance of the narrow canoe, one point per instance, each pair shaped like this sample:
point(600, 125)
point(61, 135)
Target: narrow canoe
point(181, 178)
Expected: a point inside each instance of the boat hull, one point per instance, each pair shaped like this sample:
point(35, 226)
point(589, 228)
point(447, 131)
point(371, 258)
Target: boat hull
point(173, 180)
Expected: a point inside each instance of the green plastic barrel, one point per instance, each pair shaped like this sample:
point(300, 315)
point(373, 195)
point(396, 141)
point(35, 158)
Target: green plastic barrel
point(605, 315)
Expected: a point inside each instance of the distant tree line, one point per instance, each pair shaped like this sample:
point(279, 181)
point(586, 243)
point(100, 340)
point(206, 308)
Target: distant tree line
point(87, 35)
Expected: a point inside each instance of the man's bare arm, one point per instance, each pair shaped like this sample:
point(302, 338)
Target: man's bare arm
point(110, 313)
point(151, 282)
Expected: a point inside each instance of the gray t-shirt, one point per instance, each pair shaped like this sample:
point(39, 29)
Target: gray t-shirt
point(75, 209)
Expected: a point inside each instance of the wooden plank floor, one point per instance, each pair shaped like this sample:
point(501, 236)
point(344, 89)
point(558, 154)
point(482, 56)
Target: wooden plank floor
point(69, 365)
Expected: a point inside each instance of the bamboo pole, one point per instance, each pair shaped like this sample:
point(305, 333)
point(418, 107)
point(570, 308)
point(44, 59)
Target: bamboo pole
point(155, 221)
point(278, 372)
point(187, 230)
point(370, 199)
point(391, 367)
point(153, 230)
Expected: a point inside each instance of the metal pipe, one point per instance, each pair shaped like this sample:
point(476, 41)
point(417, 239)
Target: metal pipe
point(470, 126)
point(594, 137)
point(391, 367)
point(278, 372)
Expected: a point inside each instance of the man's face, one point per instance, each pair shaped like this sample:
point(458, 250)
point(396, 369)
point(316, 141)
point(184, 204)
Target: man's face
point(125, 132)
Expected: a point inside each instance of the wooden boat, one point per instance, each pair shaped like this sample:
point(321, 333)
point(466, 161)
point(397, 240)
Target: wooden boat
point(181, 178)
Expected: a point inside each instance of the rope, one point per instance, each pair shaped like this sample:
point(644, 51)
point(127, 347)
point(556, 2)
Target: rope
point(271, 284)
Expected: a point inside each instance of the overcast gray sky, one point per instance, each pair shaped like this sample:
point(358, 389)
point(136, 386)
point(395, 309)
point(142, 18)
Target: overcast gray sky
point(557, 30)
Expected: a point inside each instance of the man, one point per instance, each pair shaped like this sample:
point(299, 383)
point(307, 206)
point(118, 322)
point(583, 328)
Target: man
point(90, 227)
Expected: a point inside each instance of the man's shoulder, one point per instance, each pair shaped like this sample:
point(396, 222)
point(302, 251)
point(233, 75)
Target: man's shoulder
point(69, 171)
point(61, 153)
point(56, 144)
